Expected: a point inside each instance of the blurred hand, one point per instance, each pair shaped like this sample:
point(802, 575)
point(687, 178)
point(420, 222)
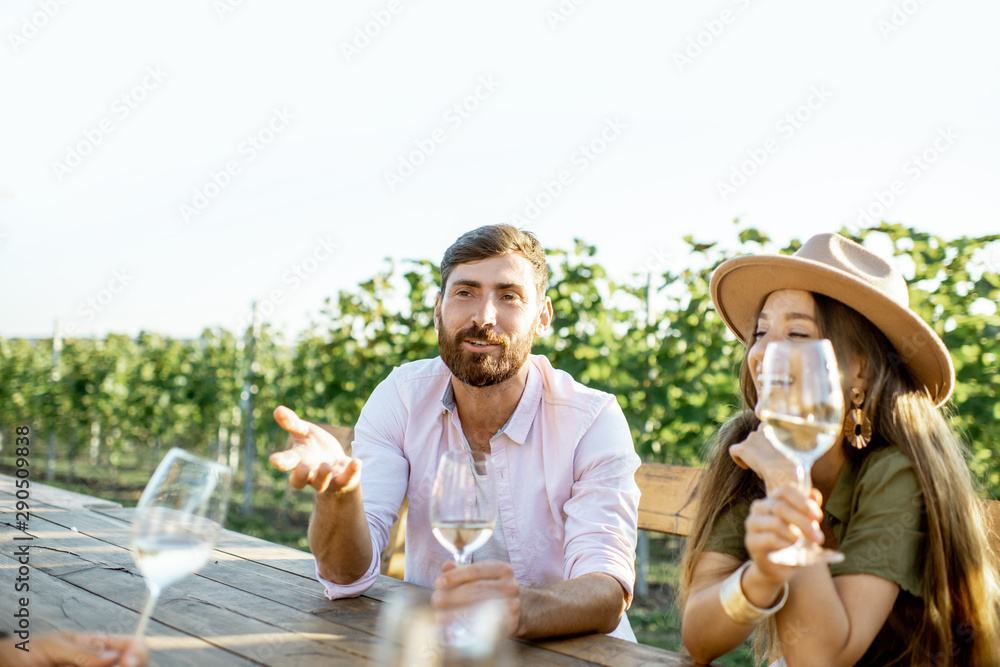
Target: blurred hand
point(758, 454)
point(779, 520)
point(79, 649)
point(459, 587)
point(316, 458)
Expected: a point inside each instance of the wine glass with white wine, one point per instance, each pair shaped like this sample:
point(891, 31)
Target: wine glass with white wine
point(463, 514)
point(463, 502)
point(177, 521)
point(801, 405)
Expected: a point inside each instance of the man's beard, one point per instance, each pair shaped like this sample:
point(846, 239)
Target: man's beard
point(483, 369)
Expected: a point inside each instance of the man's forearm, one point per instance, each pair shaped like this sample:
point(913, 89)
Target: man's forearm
point(339, 537)
point(591, 603)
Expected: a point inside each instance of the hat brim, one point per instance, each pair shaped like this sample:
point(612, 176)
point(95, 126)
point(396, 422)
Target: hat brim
point(740, 286)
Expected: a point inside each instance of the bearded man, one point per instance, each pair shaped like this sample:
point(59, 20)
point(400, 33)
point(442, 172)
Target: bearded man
point(562, 554)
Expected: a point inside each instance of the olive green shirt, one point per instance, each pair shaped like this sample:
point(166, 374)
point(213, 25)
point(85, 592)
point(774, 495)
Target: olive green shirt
point(876, 512)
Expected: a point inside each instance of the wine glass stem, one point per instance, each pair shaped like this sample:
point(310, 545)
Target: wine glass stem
point(803, 477)
point(147, 611)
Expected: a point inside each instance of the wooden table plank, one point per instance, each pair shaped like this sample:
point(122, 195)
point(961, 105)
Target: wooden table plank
point(51, 496)
point(292, 589)
point(595, 649)
point(228, 617)
point(614, 652)
point(57, 605)
point(295, 591)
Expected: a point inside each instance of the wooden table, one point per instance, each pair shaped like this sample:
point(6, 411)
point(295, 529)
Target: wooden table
point(255, 602)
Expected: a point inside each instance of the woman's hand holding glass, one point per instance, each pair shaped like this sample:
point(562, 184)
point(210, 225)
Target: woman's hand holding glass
point(758, 454)
point(775, 522)
point(801, 408)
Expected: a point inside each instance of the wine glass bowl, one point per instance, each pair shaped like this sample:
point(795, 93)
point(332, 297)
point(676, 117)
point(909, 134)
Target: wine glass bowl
point(463, 502)
point(801, 406)
point(177, 521)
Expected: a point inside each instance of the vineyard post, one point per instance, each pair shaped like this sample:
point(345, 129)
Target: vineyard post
point(642, 567)
point(50, 458)
point(249, 453)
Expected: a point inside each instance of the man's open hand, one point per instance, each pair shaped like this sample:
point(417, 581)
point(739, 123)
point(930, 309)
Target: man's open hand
point(316, 458)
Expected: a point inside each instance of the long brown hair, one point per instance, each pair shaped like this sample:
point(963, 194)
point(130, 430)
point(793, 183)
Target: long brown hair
point(960, 624)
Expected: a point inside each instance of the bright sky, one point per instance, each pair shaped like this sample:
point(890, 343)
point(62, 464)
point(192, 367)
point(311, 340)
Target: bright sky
point(163, 164)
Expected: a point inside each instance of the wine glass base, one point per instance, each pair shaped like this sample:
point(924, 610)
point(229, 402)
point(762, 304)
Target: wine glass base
point(796, 555)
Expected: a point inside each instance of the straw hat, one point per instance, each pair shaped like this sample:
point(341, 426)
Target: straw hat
point(841, 269)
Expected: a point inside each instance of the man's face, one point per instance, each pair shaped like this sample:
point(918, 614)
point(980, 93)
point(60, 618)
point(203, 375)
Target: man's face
point(487, 317)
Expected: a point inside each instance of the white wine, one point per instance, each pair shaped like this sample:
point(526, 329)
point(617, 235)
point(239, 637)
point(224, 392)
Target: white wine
point(799, 436)
point(461, 537)
point(164, 559)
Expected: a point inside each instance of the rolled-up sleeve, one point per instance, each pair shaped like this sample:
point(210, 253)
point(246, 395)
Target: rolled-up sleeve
point(378, 442)
point(602, 512)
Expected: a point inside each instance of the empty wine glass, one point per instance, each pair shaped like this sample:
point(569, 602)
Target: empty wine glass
point(801, 405)
point(177, 521)
point(463, 502)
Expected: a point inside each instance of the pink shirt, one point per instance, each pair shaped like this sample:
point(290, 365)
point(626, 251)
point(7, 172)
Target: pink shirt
point(565, 476)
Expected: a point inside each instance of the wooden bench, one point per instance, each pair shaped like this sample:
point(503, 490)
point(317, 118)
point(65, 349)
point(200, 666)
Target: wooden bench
point(669, 492)
point(667, 504)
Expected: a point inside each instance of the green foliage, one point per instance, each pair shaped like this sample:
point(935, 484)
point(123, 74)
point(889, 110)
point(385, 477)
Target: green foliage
point(956, 289)
point(673, 369)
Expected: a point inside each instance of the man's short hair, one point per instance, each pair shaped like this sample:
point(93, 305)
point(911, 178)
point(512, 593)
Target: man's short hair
point(495, 241)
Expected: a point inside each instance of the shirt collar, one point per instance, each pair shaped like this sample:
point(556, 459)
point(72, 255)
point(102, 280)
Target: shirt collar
point(519, 424)
point(448, 397)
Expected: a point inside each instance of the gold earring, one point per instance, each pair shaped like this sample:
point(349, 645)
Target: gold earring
point(857, 426)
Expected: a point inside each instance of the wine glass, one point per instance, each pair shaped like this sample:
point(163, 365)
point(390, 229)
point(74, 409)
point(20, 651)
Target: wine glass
point(801, 405)
point(463, 514)
point(177, 521)
point(463, 502)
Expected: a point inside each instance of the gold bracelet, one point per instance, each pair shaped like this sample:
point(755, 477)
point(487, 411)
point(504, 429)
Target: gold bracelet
point(736, 605)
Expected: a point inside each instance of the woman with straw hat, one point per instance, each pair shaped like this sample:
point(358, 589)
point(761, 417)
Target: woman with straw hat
point(918, 584)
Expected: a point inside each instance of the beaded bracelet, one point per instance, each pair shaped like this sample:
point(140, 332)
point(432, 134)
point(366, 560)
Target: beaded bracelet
point(738, 607)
